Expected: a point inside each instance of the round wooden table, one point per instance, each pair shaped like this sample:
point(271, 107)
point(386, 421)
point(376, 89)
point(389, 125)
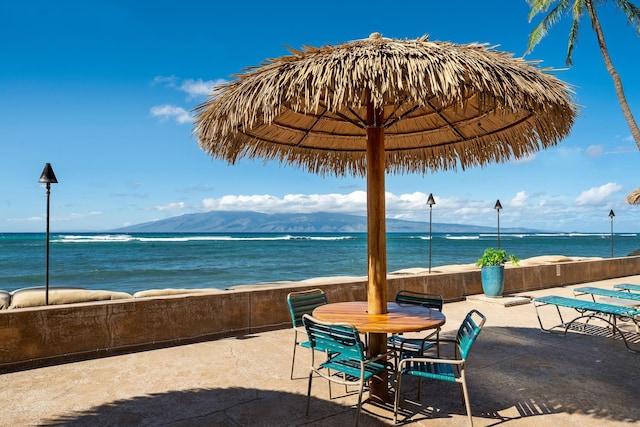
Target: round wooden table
point(399, 317)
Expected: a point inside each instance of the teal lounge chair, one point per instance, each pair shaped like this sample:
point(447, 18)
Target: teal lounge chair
point(588, 310)
point(629, 287)
point(625, 298)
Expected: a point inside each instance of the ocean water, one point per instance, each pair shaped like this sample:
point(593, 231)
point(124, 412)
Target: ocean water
point(133, 262)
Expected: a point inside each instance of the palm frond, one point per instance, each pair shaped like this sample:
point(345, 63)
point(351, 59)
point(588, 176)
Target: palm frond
point(632, 12)
point(541, 30)
point(573, 40)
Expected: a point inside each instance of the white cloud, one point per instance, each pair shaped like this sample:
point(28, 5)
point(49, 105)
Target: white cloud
point(57, 218)
point(355, 202)
point(75, 216)
point(631, 148)
point(597, 195)
point(594, 150)
point(168, 81)
point(520, 199)
point(166, 112)
point(199, 87)
point(174, 206)
point(195, 88)
point(535, 210)
point(411, 206)
point(531, 157)
point(29, 219)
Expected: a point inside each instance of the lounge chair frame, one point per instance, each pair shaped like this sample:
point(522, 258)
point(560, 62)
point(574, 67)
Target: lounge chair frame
point(588, 310)
point(593, 291)
point(629, 287)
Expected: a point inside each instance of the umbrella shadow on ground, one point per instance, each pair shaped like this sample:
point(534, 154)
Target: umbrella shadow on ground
point(517, 373)
point(216, 407)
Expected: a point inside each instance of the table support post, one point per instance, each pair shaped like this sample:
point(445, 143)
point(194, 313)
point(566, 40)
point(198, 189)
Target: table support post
point(379, 390)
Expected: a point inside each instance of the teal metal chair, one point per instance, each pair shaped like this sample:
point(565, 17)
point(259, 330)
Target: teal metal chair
point(301, 303)
point(345, 355)
point(416, 346)
point(436, 368)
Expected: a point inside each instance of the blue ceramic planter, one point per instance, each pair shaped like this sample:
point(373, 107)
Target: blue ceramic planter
point(493, 280)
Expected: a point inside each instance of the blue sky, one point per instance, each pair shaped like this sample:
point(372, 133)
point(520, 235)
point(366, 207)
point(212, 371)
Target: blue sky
point(103, 90)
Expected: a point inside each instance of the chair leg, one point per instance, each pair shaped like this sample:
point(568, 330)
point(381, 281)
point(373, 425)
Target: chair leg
point(467, 404)
point(293, 358)
point(396, 404)
point(309, 391)
point(359, 402)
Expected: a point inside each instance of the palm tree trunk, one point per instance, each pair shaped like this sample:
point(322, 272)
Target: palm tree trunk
point(617, 82)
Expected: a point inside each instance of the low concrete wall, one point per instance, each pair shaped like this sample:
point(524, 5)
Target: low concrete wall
point(38, 336)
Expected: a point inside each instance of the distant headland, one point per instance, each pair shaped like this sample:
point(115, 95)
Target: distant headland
point(319, 222)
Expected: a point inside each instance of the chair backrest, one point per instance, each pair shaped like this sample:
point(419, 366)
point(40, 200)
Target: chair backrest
point(341, 338)
point(304, 302)
point(469, 331)
point(419, 298)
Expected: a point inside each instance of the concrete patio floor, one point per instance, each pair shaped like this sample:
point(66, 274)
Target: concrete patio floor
point(517, 375)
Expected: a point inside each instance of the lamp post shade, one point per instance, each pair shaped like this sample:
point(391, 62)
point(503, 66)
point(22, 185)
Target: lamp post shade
point(48, 176)
point(497, 207)
point(382, 105)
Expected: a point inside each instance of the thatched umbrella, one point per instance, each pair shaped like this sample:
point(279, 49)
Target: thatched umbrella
point(633, 198)
point(384, 105)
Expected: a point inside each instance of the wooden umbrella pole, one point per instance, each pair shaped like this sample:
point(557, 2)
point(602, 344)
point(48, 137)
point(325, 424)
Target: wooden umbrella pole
point(376, 240)
point(376, 224)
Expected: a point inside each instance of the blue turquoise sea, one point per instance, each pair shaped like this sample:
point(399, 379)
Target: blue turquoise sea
point(133, 262)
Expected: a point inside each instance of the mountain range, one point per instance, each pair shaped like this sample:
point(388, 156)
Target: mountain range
point(319, 222)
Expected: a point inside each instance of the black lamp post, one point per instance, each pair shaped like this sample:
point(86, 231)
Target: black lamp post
point(430, 202)
point(611, 215)
point(47, 177)
point(497, 207)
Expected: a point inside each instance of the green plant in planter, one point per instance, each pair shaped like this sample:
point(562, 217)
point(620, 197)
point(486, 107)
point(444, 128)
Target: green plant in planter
point(496, 257)
point(492, 272)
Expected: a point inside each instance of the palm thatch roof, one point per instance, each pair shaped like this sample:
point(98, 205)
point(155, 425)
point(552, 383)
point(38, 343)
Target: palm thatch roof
point(633, 198)
point(443, 105)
